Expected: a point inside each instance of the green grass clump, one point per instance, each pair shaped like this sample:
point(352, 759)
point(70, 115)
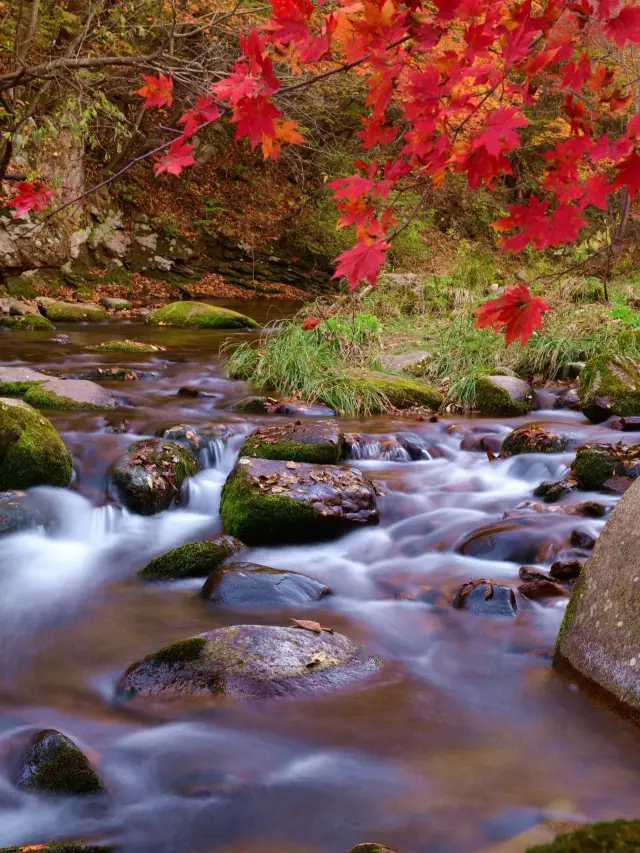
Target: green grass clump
point(618, 836)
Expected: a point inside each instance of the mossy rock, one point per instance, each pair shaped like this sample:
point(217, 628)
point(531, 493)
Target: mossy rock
point(502, 396)
point(149, 476)
point(27, 323)
point(195, 559)
point(533, 438)
point(53, 764)
point(59, 847)
point(594, 465)
point(71, 395)
point(401, 392)
point(31, 451)
point(372, 847)
point(71, 312)
point(254, 405)
point(553, 492)
point(610, 386)
point(321, 442)
point(124, 346)
point(199, 315)
point(618, 836)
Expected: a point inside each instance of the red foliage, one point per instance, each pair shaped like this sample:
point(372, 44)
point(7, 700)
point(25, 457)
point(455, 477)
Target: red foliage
point(30, 195)
point(158, 91)
point(178, 157)
point(516, 312)
point(310, 323)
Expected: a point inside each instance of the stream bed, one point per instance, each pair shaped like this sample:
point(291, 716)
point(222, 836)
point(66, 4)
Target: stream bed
point(465, 738)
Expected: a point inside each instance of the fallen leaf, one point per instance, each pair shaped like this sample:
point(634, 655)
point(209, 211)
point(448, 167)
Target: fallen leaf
point(309, 625)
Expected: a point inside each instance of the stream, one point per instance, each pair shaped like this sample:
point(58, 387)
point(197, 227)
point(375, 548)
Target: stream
point(466, 737)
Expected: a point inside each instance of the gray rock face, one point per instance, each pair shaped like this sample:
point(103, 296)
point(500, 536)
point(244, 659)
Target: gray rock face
point(414, 362)
point(600, 635)
point(250, 662)
point(252, 585)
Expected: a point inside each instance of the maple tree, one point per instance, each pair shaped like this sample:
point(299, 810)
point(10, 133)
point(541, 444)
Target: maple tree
point(451, 86)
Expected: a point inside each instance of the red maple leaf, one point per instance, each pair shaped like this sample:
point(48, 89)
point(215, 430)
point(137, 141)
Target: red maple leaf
point(255, 118)
point(499, 133)
point(363, 261)
point(204, 110)
point(30, 195)
point(516, 312)
point(158, 92)
point(625, 25)
point(310, 323)
point(177, 158)
point(628, 174)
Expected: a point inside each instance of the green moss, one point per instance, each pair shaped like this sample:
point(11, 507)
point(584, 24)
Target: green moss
point(31, 451)
point(182, 651)
point(400, 391)
point(196, 559)
point(16, 389)
point(40, 398)
point(64, 770)
point(495, 401)
point(593, 466)
point(570, 611)
point(68, 312)
point(255, 518)
point(618, 836)
point(250, 405)
point(33, 323)
point(123, 346)
point(615, 380)
point(7, 322)
point(198, 315)
point(294, 451)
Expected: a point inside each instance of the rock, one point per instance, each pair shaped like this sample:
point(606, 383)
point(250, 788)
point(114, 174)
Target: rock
point(53, 764)
point(113, 304)
point(566, 570)
point(193, 560)
point(594, 466)
point(368, 847)
point(195, 438)
point(59, 847)
point(530, 573)
point(43, 301)
point(533, 438)
point(401, 392)
point(27, 323)
point(254, 405)
point(148, 478)
point(516, 540)
point(265, 501)
point(393, 449)
point(113, 374)
point(630, 424)
point(250, 662)
point(486, 598)
point(590, 509)
point(618, 836)
point(252, 585)
point(568, 400)
point(199, 315)
point(71, 312)
point(541, 588)
point(299, 409)
point(21, 309)
point(124, 346)
point(31, 451)
point(503, 396)
point(414, 362)
point(582, 539)
point(45, 392)
point(195, 393)
point(59, 339)
point(13, 515)
point(610, 386)
point(321, 442)
point(552, 492)
point(572, 369)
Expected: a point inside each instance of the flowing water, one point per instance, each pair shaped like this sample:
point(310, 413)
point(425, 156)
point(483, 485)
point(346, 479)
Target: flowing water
point(467, 737)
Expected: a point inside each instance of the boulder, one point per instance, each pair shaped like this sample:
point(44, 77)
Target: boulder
point(566, 570)
point(618, 836)
point(250, 662)
point(53, 764)
point(124, 346)
point(569, 400)
point(195, 438)
point(553, 492)
point(31, 451)
point(414, 362)
point(503, 396)
point(252, 585)
point(113, 374)
point(265, 501)
point(402, 392)
point(199, 315)
point(595, 466)
point(599, 634)
point(13, 515)
point(582, 539)
point(321, 442)
point(303, 410)
point(486, 598)
point(254, 405)
point(610, 386)
point(193, 560)
point(517, 540)
point(540, 588)
point(533, 438)
point(73, 312)
point(113, 304)
point(27, 323)
point(46, 392)
point(149, 476)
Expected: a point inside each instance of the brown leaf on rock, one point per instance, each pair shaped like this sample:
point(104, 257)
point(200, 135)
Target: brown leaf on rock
point(309, 625)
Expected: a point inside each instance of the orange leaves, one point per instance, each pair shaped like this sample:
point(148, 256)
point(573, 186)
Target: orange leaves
point(285, 133)
point(516, 312)
point(158, 91)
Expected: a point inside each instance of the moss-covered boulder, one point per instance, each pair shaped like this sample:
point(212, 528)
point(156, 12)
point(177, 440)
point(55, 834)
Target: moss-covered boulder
point(503, 396)
point(124, 346)
point(112, 303)
point(199, 315)
point(265, 501)
point(193, 560)
point(47, 392)
point(27, 323)
point(149, 477)
point(617, 836)
point(254, 405)
point(53, 764)
point(414, 362)
point(250, 662)
point(401, 392)
point(533, 438)
point(610, 386)
point(13, 514)
point(255, 586)
point(59, 847)
point(552, 492)
point(31, 451)
point(321, 442)
point(595, 466)
point(74, 312)
point(371, 847)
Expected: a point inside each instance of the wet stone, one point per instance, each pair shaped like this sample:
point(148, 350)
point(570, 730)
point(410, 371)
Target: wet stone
point(193, 560)
point(60, 847)
point(530, 573)
point(254, 405)
point(552, 492)
point(568, 400)
point(13, 515)
point(53, 764)
point(517, 540)
point(486, 598)
point(582, 539)
point(320, 441)
point(566, 570)
point(250, 662)
point(253, 585)
point(533, 438)
point(299, 409)
point(194, 438)
point(541, 588)
point(195, 393)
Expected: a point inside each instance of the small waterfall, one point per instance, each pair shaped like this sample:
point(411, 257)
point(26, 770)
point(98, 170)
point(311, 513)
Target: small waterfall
point(386, 449)
point(213, 453)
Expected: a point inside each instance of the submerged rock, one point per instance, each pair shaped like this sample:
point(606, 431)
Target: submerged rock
point(486, 598)
point(31, 451)
point(250, 662)
point(533, 438)
point(503, 396)
point(321, 442)
point(582, 539)
point(252, 585)
point(610, 386)
point(193, 560)
point(569, 400)
point(53, 764)
point(520, 540)
point(618, 836)
point(71, 312)
point(265, 501)
point(13, 515)
point(199, 315)
point(148, 478)
point(552, 492)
